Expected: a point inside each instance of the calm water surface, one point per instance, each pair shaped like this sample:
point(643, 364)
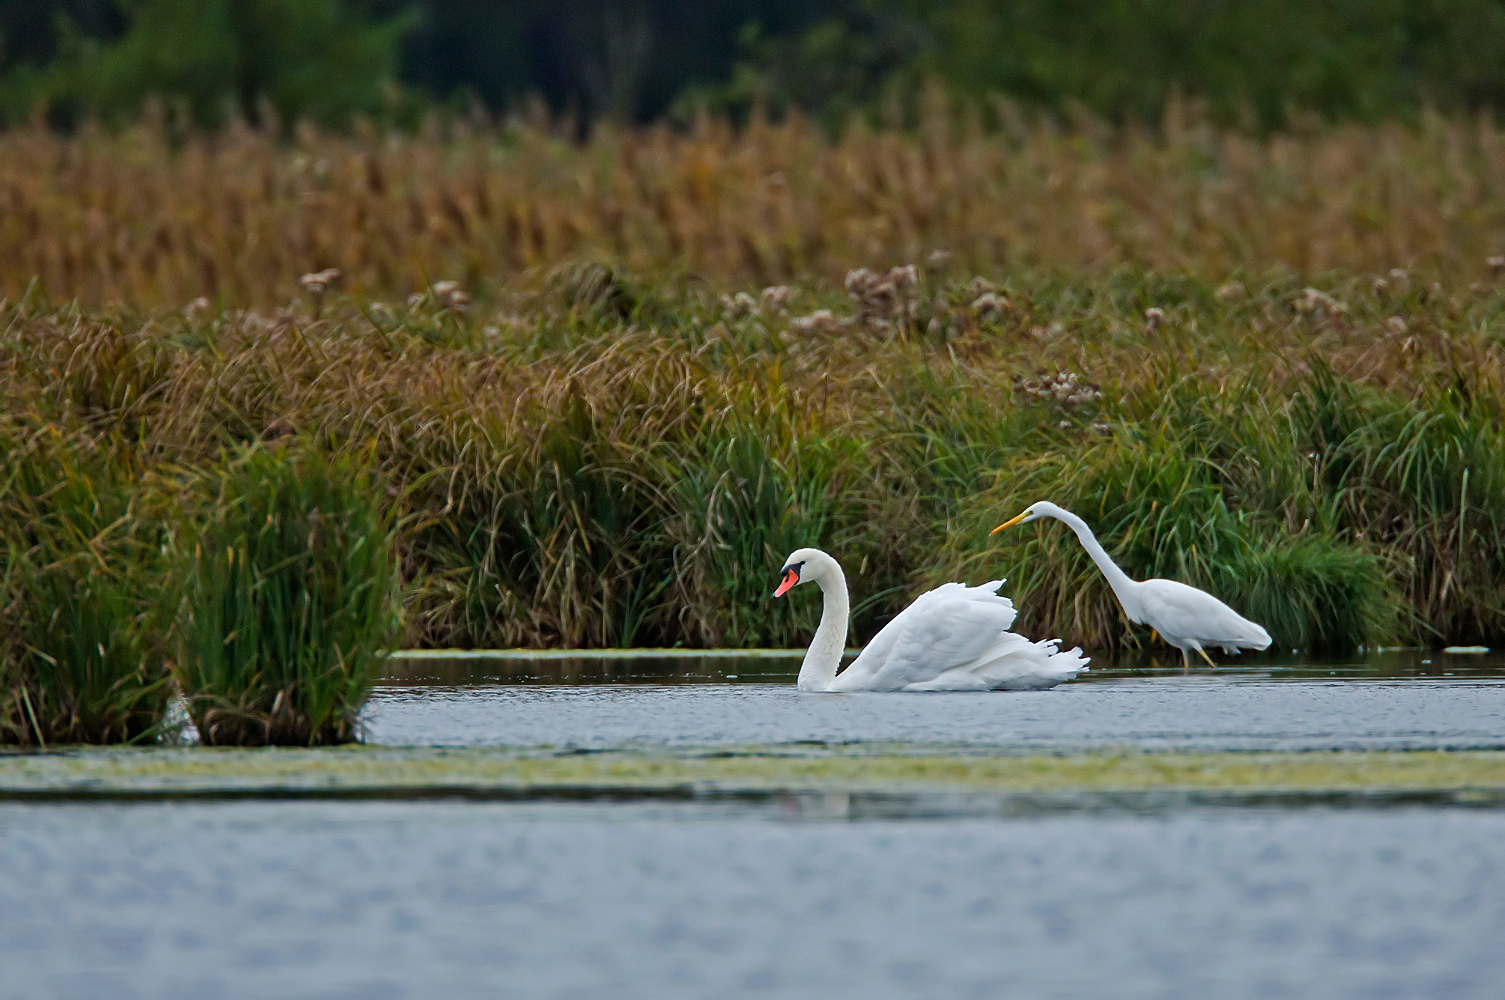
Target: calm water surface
point(816, 895)
point(391, 900)
point(1389, 701)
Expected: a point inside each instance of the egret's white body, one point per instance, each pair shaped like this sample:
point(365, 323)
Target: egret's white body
point(952, 638)
point(1187, 618)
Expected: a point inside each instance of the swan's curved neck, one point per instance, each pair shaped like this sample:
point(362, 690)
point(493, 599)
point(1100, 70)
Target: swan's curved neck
point(1123, 587)
point(824, 654)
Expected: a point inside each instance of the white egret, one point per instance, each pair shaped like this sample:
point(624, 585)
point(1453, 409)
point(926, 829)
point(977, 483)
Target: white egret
point(952, 638)
point(1185, 617)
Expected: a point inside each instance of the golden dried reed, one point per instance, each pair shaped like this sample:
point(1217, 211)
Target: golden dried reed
point(151, 219)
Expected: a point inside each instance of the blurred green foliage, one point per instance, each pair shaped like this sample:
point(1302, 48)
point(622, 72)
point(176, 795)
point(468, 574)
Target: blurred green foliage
point(1253, 62)
point(1265, 58)
point(295, 59)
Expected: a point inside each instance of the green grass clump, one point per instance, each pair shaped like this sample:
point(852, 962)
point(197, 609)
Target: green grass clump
point(81, 651)
point(753, 490)
point(291, 594)
point(543, 532)
point(1312, 593)
point(1423, 477)
point(608, 505)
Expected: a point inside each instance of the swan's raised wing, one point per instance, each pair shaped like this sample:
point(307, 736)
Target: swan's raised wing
point(947, 627)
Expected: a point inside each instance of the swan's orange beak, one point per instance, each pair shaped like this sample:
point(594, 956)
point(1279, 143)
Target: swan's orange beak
point(1008, 524)
point(791, 577)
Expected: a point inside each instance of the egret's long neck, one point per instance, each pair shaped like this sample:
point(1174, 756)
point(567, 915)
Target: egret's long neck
point(824, 654)
point(1124, 588)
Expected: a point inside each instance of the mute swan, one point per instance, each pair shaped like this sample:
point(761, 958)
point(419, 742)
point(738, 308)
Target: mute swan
point(1186, 617)
point(952, 638)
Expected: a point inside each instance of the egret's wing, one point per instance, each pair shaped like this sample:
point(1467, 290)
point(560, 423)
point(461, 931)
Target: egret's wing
point(1181, 612)
point(947, 627)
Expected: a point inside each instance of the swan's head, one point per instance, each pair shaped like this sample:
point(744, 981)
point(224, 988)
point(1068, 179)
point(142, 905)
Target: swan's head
point(803, 566)
point(1033, 512)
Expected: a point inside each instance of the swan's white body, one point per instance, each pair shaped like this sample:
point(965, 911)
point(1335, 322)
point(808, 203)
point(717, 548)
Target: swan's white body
point(1185, 617)
point(952, 638)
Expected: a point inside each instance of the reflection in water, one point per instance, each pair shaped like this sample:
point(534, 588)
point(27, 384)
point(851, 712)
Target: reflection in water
point(613, 666)
point(780, 666)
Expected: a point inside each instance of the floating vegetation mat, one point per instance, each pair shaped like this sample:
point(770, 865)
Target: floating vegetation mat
point(945, 778)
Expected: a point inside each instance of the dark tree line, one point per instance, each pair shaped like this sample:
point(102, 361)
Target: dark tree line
point(1250, 61)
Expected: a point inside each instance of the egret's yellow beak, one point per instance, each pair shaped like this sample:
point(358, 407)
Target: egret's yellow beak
point(1008, 524)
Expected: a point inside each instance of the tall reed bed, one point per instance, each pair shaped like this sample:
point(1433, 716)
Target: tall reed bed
point(82, 651)
point(154, 218)
point(261, 588)
point(599, 460)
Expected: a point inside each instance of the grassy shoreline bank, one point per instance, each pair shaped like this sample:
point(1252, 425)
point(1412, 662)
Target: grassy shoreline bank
point(600, 462)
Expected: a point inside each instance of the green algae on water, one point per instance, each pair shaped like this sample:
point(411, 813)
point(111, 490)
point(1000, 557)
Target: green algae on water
point(376, 770)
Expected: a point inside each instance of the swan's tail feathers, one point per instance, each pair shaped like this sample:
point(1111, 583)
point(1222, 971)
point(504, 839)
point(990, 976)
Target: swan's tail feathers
point(1065, 664)
point(1071, 659)
point(1014, 663)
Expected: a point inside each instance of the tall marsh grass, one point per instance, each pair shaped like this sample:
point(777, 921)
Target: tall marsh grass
point(1423, 478)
